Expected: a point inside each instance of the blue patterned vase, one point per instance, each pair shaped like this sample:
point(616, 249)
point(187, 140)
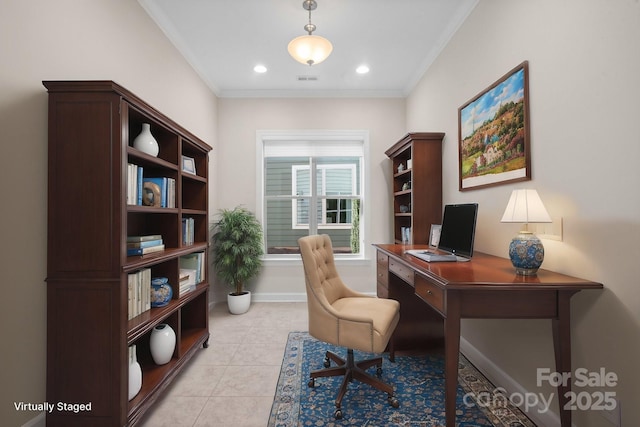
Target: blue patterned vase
point(526, 253)
point(161, 292)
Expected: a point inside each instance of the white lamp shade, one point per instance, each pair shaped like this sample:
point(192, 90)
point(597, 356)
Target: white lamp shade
point(525, 206)
point(310, 49)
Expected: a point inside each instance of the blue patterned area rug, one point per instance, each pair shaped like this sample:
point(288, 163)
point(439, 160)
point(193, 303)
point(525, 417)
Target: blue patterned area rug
point(419, 384)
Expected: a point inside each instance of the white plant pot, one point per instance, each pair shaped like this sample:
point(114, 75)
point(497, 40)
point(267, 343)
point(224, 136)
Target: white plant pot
point(239, 304)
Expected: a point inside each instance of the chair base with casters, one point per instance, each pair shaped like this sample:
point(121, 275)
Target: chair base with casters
point(353, 370)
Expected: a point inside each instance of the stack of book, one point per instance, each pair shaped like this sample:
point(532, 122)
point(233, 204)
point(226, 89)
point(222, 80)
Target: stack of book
point(187, 280)
point(141, 245)
point(191, 271)
point(134, 184)
point(139, 292)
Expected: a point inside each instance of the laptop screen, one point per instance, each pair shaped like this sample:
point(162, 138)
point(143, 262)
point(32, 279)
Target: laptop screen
point(458, 229)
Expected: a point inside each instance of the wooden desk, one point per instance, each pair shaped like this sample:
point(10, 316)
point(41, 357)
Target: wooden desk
point(486, 288)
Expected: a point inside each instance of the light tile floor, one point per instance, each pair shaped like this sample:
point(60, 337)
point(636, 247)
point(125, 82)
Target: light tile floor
point(232, 383)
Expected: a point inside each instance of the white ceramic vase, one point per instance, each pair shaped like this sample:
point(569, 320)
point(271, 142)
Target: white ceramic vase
point(162, 343)
point(239, 304)
point(135, 375)
point(145, 141)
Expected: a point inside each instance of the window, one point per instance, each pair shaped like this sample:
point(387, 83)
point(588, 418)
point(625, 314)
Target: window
point(312, 183)
point(331, 180)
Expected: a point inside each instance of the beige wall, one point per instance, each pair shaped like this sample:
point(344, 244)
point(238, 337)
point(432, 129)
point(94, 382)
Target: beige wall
point(65, 40)
point(239, 119)
point(584, 67)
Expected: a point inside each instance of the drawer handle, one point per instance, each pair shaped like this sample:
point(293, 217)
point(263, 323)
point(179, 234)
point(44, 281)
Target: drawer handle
point(429, 292)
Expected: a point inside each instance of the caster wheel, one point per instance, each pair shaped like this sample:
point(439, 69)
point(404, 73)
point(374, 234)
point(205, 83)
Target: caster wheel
point(338, 414)
point(327, 362)
point(312, 383)
point(379, 372)
point(393, 402)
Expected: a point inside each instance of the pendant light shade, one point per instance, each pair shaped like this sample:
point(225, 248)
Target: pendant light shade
point(310, 49)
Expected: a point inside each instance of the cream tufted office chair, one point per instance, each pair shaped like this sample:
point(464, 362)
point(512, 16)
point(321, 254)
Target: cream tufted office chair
point(343, 317)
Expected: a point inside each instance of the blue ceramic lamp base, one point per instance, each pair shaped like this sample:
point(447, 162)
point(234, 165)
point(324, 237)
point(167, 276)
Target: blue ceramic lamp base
point(526, 253)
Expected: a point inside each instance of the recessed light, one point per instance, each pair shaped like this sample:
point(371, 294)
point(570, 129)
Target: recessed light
point(260, 69)
point(363, 69)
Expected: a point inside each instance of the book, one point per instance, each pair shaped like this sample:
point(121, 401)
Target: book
point(138, 292)
point(188, 225)
point(143, 251)
point(131, 194)
point(138, 184)
point(144, 238)
point(171, 193)
point(134, 184)
point(144, 244)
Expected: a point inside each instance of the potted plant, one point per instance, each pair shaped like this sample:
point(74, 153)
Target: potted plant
point(237, 250)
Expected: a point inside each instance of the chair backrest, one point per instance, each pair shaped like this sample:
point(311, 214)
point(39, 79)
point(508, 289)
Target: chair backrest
point(320, 268)
point(334, 314)
point(324, 286)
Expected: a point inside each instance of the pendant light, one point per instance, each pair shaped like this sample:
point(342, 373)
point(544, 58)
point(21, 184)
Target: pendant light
point(310, 49)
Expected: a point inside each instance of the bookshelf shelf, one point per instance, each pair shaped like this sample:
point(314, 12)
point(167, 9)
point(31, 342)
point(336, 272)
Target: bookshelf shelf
point(145, 322)
point(91, 322)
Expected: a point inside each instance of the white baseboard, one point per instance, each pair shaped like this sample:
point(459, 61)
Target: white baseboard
point(279, 297)
point(501, 379)
point(286, 297)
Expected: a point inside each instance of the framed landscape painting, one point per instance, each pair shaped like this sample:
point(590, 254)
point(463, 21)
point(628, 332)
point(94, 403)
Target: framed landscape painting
point(493, 133)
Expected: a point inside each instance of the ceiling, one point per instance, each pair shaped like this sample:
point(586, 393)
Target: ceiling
point(225, 39)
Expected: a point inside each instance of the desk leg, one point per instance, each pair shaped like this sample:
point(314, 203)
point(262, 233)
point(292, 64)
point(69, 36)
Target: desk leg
point(562, 348)
point(451, 354)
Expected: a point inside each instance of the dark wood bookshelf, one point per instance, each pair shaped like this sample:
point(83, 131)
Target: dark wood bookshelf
point(92, 125)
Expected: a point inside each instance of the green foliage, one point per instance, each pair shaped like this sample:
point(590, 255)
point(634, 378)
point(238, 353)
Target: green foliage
point(237, 247)
point(355, 226)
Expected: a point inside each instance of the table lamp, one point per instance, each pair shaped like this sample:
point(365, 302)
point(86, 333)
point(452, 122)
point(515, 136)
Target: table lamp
point(526, 250)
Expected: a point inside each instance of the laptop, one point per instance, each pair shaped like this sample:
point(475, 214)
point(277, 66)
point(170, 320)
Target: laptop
point(456, 235)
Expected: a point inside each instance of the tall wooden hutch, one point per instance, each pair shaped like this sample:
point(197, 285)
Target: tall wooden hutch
point(416, 160)
point(91, 128)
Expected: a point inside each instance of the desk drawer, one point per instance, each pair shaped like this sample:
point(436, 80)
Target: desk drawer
point(430, 293)
point(400, 270)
